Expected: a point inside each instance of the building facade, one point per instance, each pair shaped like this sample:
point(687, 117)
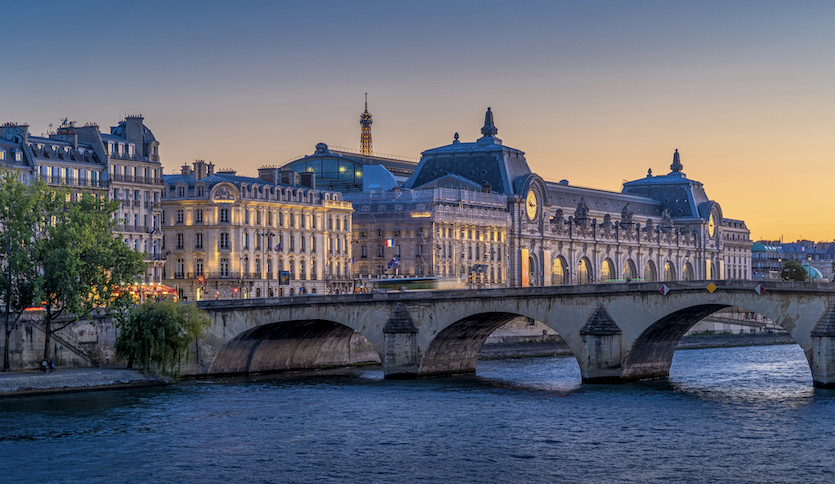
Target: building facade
point(123, 165)
point(477, 212)
point(228, 236)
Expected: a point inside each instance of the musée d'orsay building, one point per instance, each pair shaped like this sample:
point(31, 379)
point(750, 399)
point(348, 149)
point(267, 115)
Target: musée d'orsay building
point(475, 210)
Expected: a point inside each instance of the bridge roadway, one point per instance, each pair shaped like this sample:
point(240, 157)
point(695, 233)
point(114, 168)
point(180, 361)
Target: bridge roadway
point(618, 332)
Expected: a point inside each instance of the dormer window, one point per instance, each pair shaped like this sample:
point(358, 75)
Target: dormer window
point(122, 149)
point(131, 150)
point(2, 155)
point(199, 190)
point(110, 149)
point(181, 192)
point(18, 155)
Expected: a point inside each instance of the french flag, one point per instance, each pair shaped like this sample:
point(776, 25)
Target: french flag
point(389, 242)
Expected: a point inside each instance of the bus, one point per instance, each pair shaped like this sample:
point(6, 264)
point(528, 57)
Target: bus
point(402, 284)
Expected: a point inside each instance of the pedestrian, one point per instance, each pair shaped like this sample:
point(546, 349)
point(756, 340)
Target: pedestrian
point(43, 366)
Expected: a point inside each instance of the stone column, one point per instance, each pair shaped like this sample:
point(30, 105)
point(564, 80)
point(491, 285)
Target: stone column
point(600, 360)
point(823, 350)
point(401, 353)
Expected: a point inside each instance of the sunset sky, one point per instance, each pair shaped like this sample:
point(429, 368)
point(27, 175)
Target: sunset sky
point(593, 92)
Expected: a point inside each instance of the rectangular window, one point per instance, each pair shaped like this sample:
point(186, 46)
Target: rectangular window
point(224, 267)
point(224, 240)
point(180, 216)
point(246, 217)
point(258, 217)
point(292, 241)
point(301, 243)
point(198, 216)
point(198, 266)
point(198, 240)
point(179, 241)
point(224, 215)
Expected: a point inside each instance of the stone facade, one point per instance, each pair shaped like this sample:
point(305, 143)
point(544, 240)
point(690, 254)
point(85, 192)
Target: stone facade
point(123, 165)
point(476, 211)
point(229, 237)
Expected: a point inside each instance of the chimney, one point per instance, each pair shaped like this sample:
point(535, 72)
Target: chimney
point(268, 174)
point(308, 179)
point(186, 170)
point(133, 131)
point(211, 169)
point(289, 177)
point(200, 170)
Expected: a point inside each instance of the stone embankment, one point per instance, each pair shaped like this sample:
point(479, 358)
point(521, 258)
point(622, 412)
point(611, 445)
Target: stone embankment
point(550, 348)
point(29, 382)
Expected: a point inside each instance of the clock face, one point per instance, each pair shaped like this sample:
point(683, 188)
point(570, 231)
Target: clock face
point(711, 225)
point(531, 205)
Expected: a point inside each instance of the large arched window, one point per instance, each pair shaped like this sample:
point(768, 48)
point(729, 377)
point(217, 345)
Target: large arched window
point(687, 272)
point(669, 271)
point(532, 272)
point(583, 271)
point(629, 270)
point(607, 271)
point(558, 272)
point(649, 272)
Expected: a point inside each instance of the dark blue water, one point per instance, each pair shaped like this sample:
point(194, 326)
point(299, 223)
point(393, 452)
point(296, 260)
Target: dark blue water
point(724, 415)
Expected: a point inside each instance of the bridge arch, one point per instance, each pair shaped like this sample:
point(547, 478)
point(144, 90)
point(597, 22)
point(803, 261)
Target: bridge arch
point(651, 353)
point(455, 348)
point(293, 345)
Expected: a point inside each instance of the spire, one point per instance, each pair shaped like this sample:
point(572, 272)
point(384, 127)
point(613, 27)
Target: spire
point(489, 129)
point(365, 132)
point(456, 140)
point(676, 166)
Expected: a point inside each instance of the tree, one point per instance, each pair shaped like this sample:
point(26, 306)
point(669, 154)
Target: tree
point(25, 210)
point(84, 267)
point(793, 271)
point(158, 333)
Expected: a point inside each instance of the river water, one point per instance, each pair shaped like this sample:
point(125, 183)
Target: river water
point(724, 415)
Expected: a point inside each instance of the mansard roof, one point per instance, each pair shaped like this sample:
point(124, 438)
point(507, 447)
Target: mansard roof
point(685, 198)
point(485, 161)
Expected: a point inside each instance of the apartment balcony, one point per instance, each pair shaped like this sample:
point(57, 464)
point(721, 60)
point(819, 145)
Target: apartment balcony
point(179, 275)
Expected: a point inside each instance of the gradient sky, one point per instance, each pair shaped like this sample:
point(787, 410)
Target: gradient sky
point(593, 92)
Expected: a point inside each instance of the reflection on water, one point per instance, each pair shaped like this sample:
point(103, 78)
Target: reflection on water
point(724, 415)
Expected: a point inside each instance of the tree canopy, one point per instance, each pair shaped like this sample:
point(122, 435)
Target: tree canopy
point(793, 271)
point(158, 334)
point(59, 251)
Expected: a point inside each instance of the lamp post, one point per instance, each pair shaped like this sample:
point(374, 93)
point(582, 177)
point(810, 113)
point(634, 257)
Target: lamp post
point(809, 258)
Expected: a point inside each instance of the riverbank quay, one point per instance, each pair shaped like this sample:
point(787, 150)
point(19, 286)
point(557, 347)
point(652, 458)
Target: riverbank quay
point(552, 348)
point(75, 379)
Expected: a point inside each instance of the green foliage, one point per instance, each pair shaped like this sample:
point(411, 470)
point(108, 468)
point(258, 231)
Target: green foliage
point(158, 333)
point(85, 267)
point(25, 212)
point(58, 250)
point(793, 271)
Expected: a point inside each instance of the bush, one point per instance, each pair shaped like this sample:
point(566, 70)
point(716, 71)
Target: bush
point(158, 334)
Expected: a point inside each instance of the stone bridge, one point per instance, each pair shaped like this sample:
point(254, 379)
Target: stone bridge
point(618, 332)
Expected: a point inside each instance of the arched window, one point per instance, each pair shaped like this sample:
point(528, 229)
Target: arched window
point(257, 292)
point(583, 271)
point(607, 271)
point(669, 271)
point(629, 270)
point(532, 272)
point(649, 272)
point(687, 273)
point(558, 272)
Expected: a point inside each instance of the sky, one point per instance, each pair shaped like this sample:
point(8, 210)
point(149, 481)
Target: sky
point(593, 92)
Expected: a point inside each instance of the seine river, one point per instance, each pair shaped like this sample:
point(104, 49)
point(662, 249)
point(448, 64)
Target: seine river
point(724, 415)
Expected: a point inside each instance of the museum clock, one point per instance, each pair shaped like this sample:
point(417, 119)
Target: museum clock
point(711, 225)
point(532, 205)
